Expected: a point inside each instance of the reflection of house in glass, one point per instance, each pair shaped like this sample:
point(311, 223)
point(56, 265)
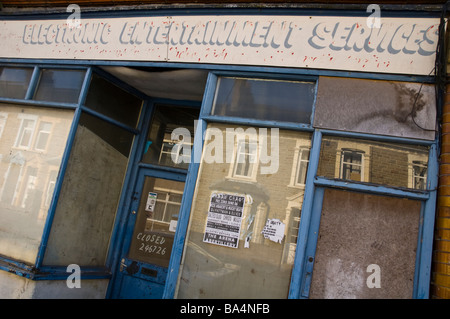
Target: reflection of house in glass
point(32, 143)
point(268, 196)
point(374, 162)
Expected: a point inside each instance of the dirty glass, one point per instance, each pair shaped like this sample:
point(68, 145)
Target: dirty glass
point(366, 247)
point(14, 82)
point(243, 230)
point(108, 99)
point(90, 193)
point(59, 85)
point(156, 221)
point(262, 99)
point(171, 136)
point(396, 165)
point(29, 164)
point(402, 109)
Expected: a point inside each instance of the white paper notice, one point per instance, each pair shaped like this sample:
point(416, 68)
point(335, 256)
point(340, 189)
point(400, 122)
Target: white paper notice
point(223, 224)
point(274, 230)
point(151, 202)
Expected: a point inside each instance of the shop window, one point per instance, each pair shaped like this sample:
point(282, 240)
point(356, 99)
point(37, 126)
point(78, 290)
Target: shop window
point(243, 261)
point(24, 175)
point(108, 99)
point(271, 100)
point(357, 232)
point(372, 162)
point(352, 165)
point(171, 136)
point(89, 196)
point(14, 82)
point(59, 85)
point(402, 109)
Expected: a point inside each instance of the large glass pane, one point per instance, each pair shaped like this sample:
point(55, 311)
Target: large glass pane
point(14, 82)
point(59, 85)
point(397, 165)
point(29, 164)
point(171, 136)
point(272, 100)
point(90, 193)
point(243, 227)
point(110, 100)
point(156, 221)
point(366, 247)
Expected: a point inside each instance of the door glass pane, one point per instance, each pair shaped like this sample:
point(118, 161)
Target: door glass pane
point(59, 85)
point(274, 100)
point(397, 165)
point(156, 221)
point(243, 228)
point(171, 136)
point(14, 82)
point(362, 236)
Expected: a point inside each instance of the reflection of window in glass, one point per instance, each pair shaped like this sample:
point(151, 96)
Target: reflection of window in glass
point(352, 165)
point(26, 131)
point(14, 82)
point(12, 180)
point(168, 203)
point(302, 167)
point(245, 163)
point(43, 135)
point(30, 185)
point(173, 152)
point(50, 188)
point(264, 99)
point(161, 148)
point(3, 118)
point(419, 175)
point(59, 85)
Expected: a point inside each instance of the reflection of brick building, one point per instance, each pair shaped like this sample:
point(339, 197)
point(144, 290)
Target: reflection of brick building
point(31, 145)
point(384, 164)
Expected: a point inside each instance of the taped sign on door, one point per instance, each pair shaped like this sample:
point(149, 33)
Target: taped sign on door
point(151, 202)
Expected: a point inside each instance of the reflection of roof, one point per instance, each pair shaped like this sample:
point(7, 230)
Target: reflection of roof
point(257, 191)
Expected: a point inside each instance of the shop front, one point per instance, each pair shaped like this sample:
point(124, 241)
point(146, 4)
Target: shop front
point(251, 154)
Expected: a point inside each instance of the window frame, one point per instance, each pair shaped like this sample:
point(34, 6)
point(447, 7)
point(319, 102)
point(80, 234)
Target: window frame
point(343, 163)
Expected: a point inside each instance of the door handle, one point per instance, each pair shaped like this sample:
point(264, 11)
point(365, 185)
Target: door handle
point(123, 266)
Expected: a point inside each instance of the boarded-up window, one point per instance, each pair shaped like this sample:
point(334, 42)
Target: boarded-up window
point(360, 230)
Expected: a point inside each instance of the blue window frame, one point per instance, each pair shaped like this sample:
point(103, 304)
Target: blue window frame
point(311, 209)
point(314, 186)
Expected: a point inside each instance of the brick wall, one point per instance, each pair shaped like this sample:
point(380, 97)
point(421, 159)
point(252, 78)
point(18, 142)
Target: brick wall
point(440, 281)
